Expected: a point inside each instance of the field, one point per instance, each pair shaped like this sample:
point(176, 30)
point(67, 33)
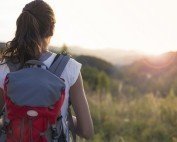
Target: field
point(144, 119)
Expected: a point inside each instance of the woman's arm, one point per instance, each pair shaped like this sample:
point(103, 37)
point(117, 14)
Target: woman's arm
point(83, 121)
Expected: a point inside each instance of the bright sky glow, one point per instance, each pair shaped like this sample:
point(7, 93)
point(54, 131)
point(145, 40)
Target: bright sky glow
point(143, 25)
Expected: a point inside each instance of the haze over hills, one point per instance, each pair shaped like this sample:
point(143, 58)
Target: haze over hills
point(117, 57)
point(114, 56)
point(156, 74)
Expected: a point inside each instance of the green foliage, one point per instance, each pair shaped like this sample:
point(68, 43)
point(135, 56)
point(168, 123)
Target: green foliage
point(103, 85)
point(144, 119)
point(90, 76)
point(64, 49)
point(99, 64)
point(97, 81)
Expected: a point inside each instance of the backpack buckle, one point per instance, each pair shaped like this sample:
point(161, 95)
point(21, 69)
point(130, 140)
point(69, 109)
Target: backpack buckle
point(4, 127)
point(55, 135)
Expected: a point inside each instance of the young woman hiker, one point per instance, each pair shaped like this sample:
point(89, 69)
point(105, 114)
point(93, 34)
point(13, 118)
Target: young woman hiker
point(35, 27)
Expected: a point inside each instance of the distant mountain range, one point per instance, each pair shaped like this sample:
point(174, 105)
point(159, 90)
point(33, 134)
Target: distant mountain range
point(117, 57)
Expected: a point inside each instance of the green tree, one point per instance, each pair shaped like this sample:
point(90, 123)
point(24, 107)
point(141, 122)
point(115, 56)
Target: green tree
point(64, 49)
point(90, 76)
point(103, 85)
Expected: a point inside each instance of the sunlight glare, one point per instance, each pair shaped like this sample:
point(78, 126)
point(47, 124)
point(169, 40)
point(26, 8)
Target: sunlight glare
point(154, 52)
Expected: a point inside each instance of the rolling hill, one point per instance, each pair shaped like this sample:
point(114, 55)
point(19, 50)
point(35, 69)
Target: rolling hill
point(156, 75)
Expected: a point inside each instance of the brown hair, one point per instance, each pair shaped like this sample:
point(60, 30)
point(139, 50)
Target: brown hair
point(35, 23)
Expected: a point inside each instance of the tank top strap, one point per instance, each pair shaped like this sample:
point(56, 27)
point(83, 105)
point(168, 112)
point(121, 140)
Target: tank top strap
point(45, 55)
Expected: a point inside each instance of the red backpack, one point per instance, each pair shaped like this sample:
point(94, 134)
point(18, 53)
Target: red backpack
point(33, 99)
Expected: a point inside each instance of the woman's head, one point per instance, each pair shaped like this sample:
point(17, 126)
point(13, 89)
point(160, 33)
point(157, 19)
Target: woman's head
point(41, 15)
point(35, 26)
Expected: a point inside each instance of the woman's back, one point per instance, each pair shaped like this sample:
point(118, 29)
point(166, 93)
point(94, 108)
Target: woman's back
point(35, 27)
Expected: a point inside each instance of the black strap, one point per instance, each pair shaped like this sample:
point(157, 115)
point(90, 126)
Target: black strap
point(56, 57)
point(71, 124)
point(59, 64)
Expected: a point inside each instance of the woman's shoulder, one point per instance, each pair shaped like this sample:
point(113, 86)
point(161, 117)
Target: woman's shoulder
point(3, 67)
point(73, 66)
point(4, 70)
point(72, 70)
point(73, 63)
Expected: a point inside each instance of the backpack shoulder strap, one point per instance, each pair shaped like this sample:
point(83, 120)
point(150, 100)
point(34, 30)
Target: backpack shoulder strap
point(59, 64)
point(57, 68)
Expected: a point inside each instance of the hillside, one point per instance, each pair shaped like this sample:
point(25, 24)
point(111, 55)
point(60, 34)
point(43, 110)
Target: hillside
point(150, 74)
point(115, 56)
point(97, 63)
point(157, 74)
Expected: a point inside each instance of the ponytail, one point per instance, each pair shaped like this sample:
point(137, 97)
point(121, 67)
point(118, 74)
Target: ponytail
point(32, 28)
point(27, 39)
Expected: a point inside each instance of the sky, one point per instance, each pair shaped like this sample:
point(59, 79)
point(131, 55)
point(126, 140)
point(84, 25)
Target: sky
point(148, 26)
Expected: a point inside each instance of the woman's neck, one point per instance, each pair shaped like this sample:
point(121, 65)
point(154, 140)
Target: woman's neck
point(45, 55)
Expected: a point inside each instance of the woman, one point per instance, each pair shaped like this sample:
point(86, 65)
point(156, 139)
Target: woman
point(35, 27)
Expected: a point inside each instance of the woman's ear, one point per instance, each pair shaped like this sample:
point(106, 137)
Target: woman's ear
point(46, 42)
